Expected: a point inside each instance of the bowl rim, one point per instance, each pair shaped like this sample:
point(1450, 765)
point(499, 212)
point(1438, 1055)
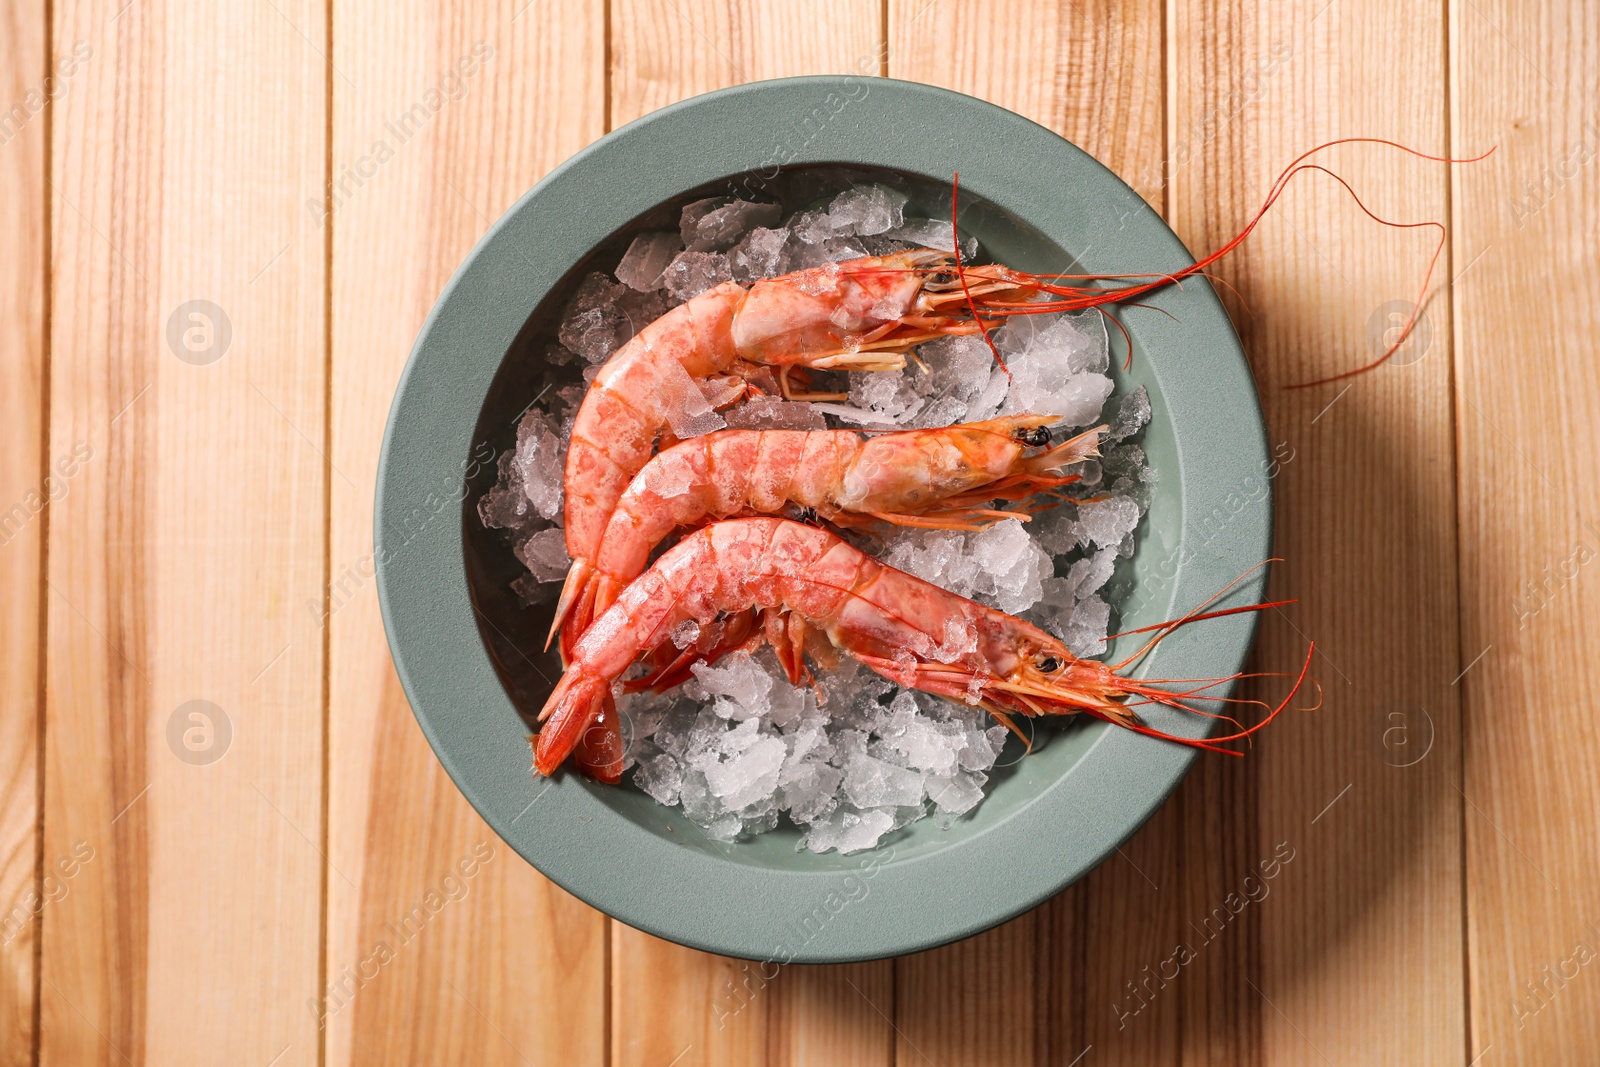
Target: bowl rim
point(864, 906)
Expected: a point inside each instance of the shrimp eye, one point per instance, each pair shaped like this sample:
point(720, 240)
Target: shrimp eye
point(1048, 664)
point(1037, 436)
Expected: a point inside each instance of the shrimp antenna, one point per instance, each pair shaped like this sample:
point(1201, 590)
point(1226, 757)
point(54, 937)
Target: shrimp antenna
point(961, 273)
point(1081, 297)
point(1166, 628)
point(1211, 744)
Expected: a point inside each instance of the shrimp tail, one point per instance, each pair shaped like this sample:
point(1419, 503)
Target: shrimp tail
point(579, 701)
point(1074, 450)
point(575, 609)
point(600, 749)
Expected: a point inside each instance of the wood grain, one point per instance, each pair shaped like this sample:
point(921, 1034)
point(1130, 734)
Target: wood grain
point(442, 117)
point(190, 836)
point(1354, 955)
point(1092, 70)
point(208, 538)
point(1056, 983)
point(665, 50)
point(669, 1001)
point(24, 497)
point(1527, 220)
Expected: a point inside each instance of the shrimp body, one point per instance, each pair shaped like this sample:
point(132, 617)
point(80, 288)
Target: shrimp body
point(811, 585)
point(935, 478)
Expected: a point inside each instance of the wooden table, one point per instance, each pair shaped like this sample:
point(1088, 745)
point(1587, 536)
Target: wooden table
point(276, 875)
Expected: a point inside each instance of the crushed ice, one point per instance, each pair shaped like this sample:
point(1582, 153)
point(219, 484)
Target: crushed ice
point(738, 746)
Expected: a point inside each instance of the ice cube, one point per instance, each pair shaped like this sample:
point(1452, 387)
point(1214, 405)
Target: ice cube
point(1057, 530)
point(661, 776)
point(848, 830)
point(675, 734)
point(646, 259)
point(506, 507)
point(540, 461)
point(762, 253)
point(994, 392)
point(1107, 522)
point(883, 245)
point(685, 633)
point(941, 411)
point(932, 233)
point(692, 273)
point(1132, 413)
point(1014, 565)
point(1057, 367)
point(669, 476)
point(924, 743)
point(787, 704)
point(545, 554)
point(643, 713)
point(874, 783)
point(638, 310)
point(1087, 575)
point(958, 792)
point(957, 366)
point(748, 777)
point(854, 416)
point(847, 745)
point(888, 394)
point(689, 218)
point(983, 743)
point(870, 209)
point(591, 322)
point(719, 228)
point(1086, 634)
point(740, 678)
point(811, 227)
point(925, 233)
point(829, 250)
point(808, 791)
point(1125, 468)
point(774, 413)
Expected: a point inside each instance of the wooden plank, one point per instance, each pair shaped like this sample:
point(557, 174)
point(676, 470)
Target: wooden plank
point(24, 497)
point(443, 116)
point(1053, 984)
point(184, 691)
point(1526, 221)
point(1091, 70)
point(669, 1001)
point(665, 50)
point(1353, 955)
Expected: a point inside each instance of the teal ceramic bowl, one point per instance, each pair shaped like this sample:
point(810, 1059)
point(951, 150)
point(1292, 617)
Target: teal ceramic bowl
point(468, 653)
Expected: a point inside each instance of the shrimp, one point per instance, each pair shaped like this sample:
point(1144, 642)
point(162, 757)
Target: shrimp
point(936, 478)
point(859, 315)
point(812, 586)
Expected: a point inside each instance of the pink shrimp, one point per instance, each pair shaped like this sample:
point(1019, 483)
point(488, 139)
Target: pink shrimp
point(861, 314)
point(936, 478)
point(809, 584)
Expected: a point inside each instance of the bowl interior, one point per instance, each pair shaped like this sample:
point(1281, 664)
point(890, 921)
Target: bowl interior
point(512, 633)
